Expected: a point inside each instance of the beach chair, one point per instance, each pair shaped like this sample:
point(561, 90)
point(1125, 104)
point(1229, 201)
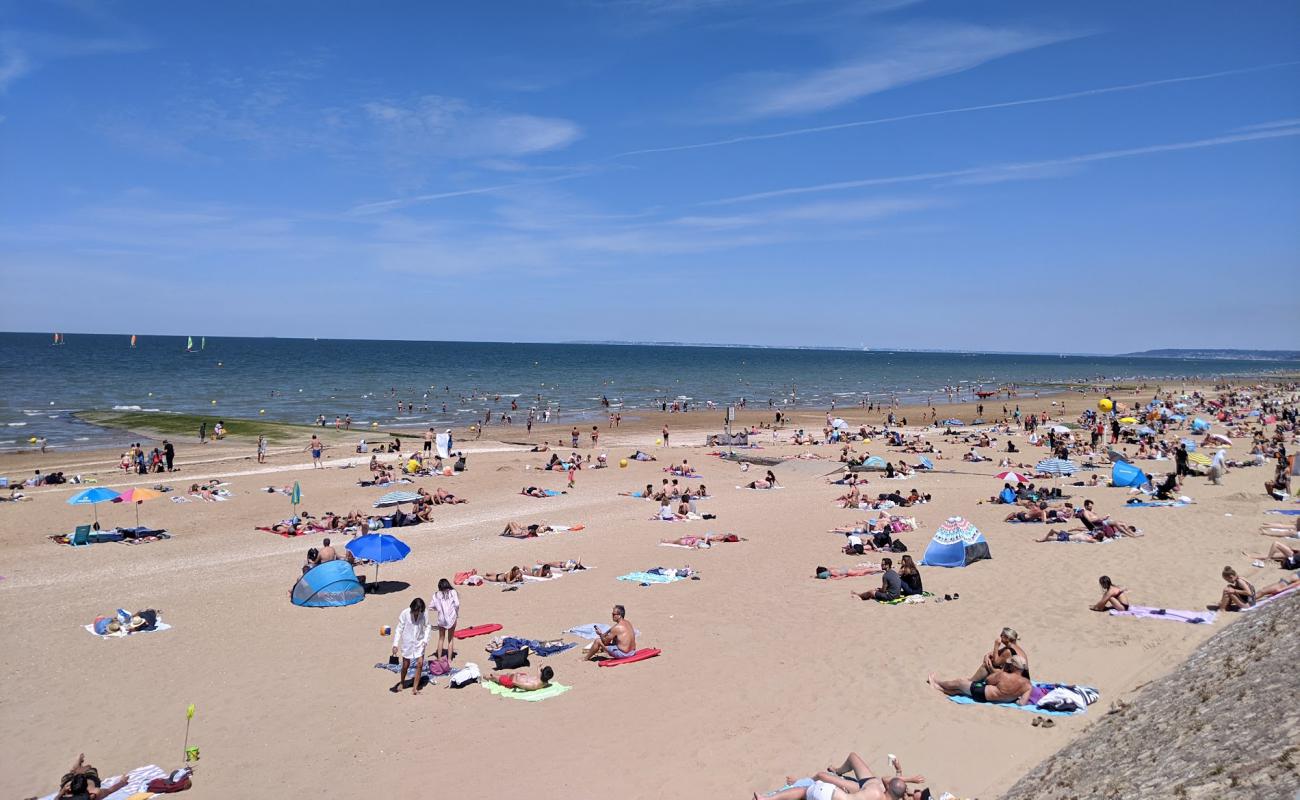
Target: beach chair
point(80, 537)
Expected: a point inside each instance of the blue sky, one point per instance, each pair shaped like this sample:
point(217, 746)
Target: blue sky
point(891, 173)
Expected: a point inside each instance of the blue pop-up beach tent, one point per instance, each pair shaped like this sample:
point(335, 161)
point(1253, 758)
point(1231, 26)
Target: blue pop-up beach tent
point(330, 584)
point(955, 544)
point(1127, 475)
point(1200, 426)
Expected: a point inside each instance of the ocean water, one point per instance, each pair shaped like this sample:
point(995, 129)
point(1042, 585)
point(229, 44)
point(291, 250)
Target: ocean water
point(294, 380)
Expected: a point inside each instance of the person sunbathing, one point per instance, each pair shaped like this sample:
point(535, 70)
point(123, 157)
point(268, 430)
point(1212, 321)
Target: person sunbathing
point(1283, 585)
point(1238, 594)
point(82, 781)
point(291, 527)
point(644, 494)
point(533, 491)
point(1036, 512)
point(1268, 529)
point(424, 511)
point(515, 575)
point(1105, 526)
point(1112, 596)
point(617, 642)
point(442, 497)
point(522, 681)
point(544, 447)
point(1286, 556)
point(702, 542)
point(1082, 536)
point(1006, 685)
point(868, 786)
point(642, 456)
point(517, 530)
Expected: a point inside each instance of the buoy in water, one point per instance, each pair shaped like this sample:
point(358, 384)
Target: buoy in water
point(261, 411)
point(214, 402)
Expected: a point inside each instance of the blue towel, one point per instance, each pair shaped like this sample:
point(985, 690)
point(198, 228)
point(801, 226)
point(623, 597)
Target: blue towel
point(1033, 709)
point(1290, 512)
point(551, 493)
point(537, 648)
point(1157, 504)
point(649, 577)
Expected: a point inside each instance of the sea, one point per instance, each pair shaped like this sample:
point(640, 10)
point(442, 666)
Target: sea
point(453, 384)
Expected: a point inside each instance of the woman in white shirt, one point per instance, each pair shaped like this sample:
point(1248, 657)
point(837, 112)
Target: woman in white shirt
point(446, 603)
point(410, 638)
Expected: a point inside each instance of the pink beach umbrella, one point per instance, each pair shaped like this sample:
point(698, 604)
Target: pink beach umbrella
point(1012, 477)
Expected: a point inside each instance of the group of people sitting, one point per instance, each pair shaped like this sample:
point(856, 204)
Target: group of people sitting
point(1095, 528)
point(668, 490)
point(895, 584)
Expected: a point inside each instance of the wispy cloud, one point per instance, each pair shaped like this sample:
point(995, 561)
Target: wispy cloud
point(901, 56)
point(1011, 171)
point(22, 52)
point(1053, 98)
point(450, 127)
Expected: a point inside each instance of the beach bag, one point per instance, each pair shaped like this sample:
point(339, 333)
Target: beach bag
point(177, 781)
point(464, 676)
point(439, 666)
point(512, 659)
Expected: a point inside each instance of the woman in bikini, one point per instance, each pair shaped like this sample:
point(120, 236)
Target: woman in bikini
point(515, 575)
point(1112, 596)
point(1238, 594)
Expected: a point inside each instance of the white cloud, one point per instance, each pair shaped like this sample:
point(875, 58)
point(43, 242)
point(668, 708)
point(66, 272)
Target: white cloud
point(906, 55)
point(13, 65)
point(449, 127)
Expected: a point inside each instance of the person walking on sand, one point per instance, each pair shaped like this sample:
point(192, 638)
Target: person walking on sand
point(203, 432)
point(169, 454)
point(446, 603)
point(261, 448)
point(410, 638)
point(315, 447)
point(665, 435)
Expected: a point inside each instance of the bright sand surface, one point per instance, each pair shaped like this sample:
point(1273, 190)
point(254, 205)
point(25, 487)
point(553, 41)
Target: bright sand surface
point(765, 671)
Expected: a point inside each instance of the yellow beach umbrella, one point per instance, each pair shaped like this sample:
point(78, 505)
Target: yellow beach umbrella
point(1128, 420)
point(1199, 458)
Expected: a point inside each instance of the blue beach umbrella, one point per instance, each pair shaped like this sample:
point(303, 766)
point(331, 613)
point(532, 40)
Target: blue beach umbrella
point(379, 547)
point(295, 496)
point(396, 499)
point(93, 497)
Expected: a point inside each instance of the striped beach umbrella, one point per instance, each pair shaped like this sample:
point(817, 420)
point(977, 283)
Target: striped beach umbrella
point(396, 499)
point(1199, 458)
point(1013, 477)
point(1056, 466)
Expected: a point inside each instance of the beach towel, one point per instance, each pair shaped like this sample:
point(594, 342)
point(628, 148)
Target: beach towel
point(397, 668)
point(534, 646)
point(136, 781)
point(907, 599)
point(1290, 512)
point(592, 629)
point(1042, 688)
point(1157, 504)
point(650, 577)
point(540, 694)
point(477, 630)
point(1146, 612)
point(640, 655)
point(161, 626)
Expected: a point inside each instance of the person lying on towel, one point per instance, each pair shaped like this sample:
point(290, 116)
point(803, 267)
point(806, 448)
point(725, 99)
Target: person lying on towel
point(617, 642)
point(517, 530)
point(522, 681)
point(83, 781)
point(1009, 685)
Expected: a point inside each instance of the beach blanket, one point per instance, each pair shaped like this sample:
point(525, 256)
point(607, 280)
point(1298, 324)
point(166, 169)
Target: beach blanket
point(650, 577)
point(443, 442)
point(540, 694)
point(161, 626)
point(1292, 592)
point(546, 492)
point(1147, 612)
point(1290, 512)
point(136, 781)
point(477, 630)
point(592, 629)
point(534, 646)
point(1040, 688)
point(1157, 504)
point(397, 668)
point(907, 599)
point(640, 655)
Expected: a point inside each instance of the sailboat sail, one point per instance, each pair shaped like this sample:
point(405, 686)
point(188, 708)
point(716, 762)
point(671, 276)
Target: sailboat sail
point(203, 343)
point(133, 340)
point(189, 342)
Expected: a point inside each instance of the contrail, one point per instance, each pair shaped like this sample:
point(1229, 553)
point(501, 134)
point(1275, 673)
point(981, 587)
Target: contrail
point(1105, 155)
point(1055, 98)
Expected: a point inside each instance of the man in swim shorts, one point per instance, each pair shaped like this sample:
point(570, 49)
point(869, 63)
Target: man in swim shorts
point(617, 642)
point(522, 681)
point(1006, 686)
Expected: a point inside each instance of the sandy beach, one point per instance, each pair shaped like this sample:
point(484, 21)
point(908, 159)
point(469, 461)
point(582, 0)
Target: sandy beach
point(765, 671)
